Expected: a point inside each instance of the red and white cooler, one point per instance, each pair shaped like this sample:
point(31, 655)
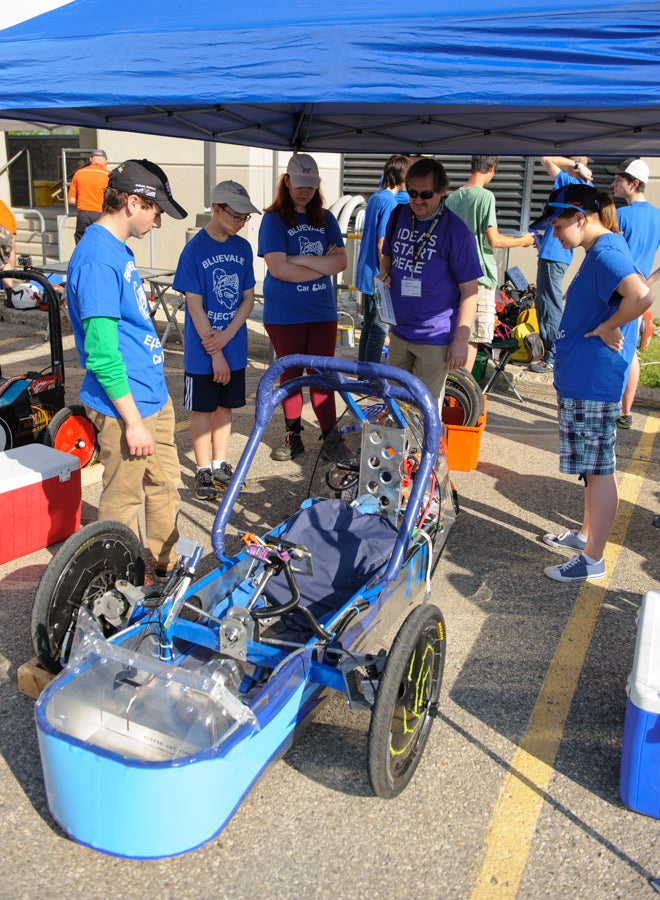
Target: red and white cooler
point(40, 499)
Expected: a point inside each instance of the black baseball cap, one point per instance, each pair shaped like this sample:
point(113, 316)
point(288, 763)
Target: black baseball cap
point(580, 197)
point(145, 179)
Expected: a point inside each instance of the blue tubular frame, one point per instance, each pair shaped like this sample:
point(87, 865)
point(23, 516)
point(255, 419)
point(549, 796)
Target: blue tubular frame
point(332, 374)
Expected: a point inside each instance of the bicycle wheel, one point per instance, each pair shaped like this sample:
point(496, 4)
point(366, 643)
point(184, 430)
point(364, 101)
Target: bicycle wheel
point(464, 402)
point(406, 702)
point(83, 569)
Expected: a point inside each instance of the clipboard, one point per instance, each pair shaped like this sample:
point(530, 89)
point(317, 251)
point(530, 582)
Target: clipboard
point(383, 299)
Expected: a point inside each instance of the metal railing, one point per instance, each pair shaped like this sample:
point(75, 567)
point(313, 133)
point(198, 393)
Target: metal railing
point(42, 223)
point(28, 160)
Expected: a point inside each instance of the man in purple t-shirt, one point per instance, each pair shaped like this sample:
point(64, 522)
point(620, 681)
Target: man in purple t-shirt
point(431, 265)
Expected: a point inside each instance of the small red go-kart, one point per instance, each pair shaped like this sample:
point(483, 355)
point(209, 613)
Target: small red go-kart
point(32, 405)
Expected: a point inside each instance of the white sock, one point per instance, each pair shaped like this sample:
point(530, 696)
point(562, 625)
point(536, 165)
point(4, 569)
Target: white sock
point(581, 537)
point(590, 561)
point(199, 469)
point(218, 462)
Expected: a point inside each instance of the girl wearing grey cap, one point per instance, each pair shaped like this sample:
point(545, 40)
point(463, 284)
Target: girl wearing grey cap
point(302, 247)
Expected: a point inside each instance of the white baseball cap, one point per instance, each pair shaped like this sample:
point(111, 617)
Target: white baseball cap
point(635, 168)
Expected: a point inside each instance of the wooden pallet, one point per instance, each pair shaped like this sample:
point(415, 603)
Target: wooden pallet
point(33, 678)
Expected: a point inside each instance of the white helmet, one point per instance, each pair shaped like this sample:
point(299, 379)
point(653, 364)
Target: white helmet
point(25, 296)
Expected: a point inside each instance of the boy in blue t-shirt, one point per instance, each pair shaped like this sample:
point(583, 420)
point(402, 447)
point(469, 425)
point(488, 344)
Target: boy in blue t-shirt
point(554, 260)
point(124, 389)
point(216, 274)
point(379, 209)
point(639, 222)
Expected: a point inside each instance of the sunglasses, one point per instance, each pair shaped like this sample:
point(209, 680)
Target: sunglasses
point(423, 195)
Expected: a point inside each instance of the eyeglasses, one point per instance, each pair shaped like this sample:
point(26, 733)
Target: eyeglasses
point(423, 195)
point(235, 216)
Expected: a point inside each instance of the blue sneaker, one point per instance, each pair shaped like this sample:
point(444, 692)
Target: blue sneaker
point(567, 540)
point(577, 569)
point(542, 366)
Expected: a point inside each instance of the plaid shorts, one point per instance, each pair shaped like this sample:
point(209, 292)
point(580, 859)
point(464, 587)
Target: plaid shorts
point(587, 434)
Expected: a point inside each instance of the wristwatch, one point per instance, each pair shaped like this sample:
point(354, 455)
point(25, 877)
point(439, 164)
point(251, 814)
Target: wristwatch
point(577, 164)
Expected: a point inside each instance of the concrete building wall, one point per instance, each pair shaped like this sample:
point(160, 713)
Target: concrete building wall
point(183, 160)
point(258, 170)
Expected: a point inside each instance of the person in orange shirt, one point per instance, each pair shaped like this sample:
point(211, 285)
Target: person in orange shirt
point(8, 222)
point(87, 188)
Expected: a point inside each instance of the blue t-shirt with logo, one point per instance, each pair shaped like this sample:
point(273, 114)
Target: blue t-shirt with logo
point(640, 224)
point(585, 367)
point(286, 303)
point(103, 281)
point(376, 216)
point(219, 271)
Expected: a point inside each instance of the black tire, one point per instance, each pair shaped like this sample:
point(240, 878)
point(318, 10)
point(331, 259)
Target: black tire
point(6, 437)
point(463, 394)
point(406, 702)
point(85, 566)
point(72, 432)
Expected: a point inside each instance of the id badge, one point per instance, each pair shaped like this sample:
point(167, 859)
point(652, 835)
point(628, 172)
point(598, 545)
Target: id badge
point(411, 287)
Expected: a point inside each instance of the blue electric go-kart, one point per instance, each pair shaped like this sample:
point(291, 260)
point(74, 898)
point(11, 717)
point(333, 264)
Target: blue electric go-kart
point(176, 697)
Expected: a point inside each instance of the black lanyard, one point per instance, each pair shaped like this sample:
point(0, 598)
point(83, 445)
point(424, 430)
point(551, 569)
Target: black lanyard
point(419, 245)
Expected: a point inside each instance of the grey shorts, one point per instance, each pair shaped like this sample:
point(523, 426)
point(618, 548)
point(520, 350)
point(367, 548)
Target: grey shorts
point(587, 435)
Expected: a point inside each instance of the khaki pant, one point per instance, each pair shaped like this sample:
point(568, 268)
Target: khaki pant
point(130, 481)
point(426, 361)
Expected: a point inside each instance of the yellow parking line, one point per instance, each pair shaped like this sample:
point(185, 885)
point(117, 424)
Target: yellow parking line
point(14, 340)
point(523, 790)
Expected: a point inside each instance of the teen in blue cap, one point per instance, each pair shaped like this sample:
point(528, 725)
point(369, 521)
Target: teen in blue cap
point(593, 351)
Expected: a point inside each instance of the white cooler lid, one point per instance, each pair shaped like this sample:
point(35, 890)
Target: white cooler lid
point(644, 681)
point(33, 463)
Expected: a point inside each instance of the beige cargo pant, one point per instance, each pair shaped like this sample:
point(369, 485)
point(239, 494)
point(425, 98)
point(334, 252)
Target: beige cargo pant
point(131, 481)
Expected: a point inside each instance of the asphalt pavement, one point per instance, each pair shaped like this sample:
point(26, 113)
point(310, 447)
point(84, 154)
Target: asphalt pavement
point(517, 793)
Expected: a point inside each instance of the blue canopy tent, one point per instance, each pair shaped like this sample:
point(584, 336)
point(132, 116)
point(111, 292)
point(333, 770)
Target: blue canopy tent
point(480, 76)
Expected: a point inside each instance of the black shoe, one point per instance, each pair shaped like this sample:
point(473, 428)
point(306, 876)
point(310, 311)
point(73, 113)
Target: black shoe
point(223, 475)
point(334, 449)
point(292, 447)
point(203, 486)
